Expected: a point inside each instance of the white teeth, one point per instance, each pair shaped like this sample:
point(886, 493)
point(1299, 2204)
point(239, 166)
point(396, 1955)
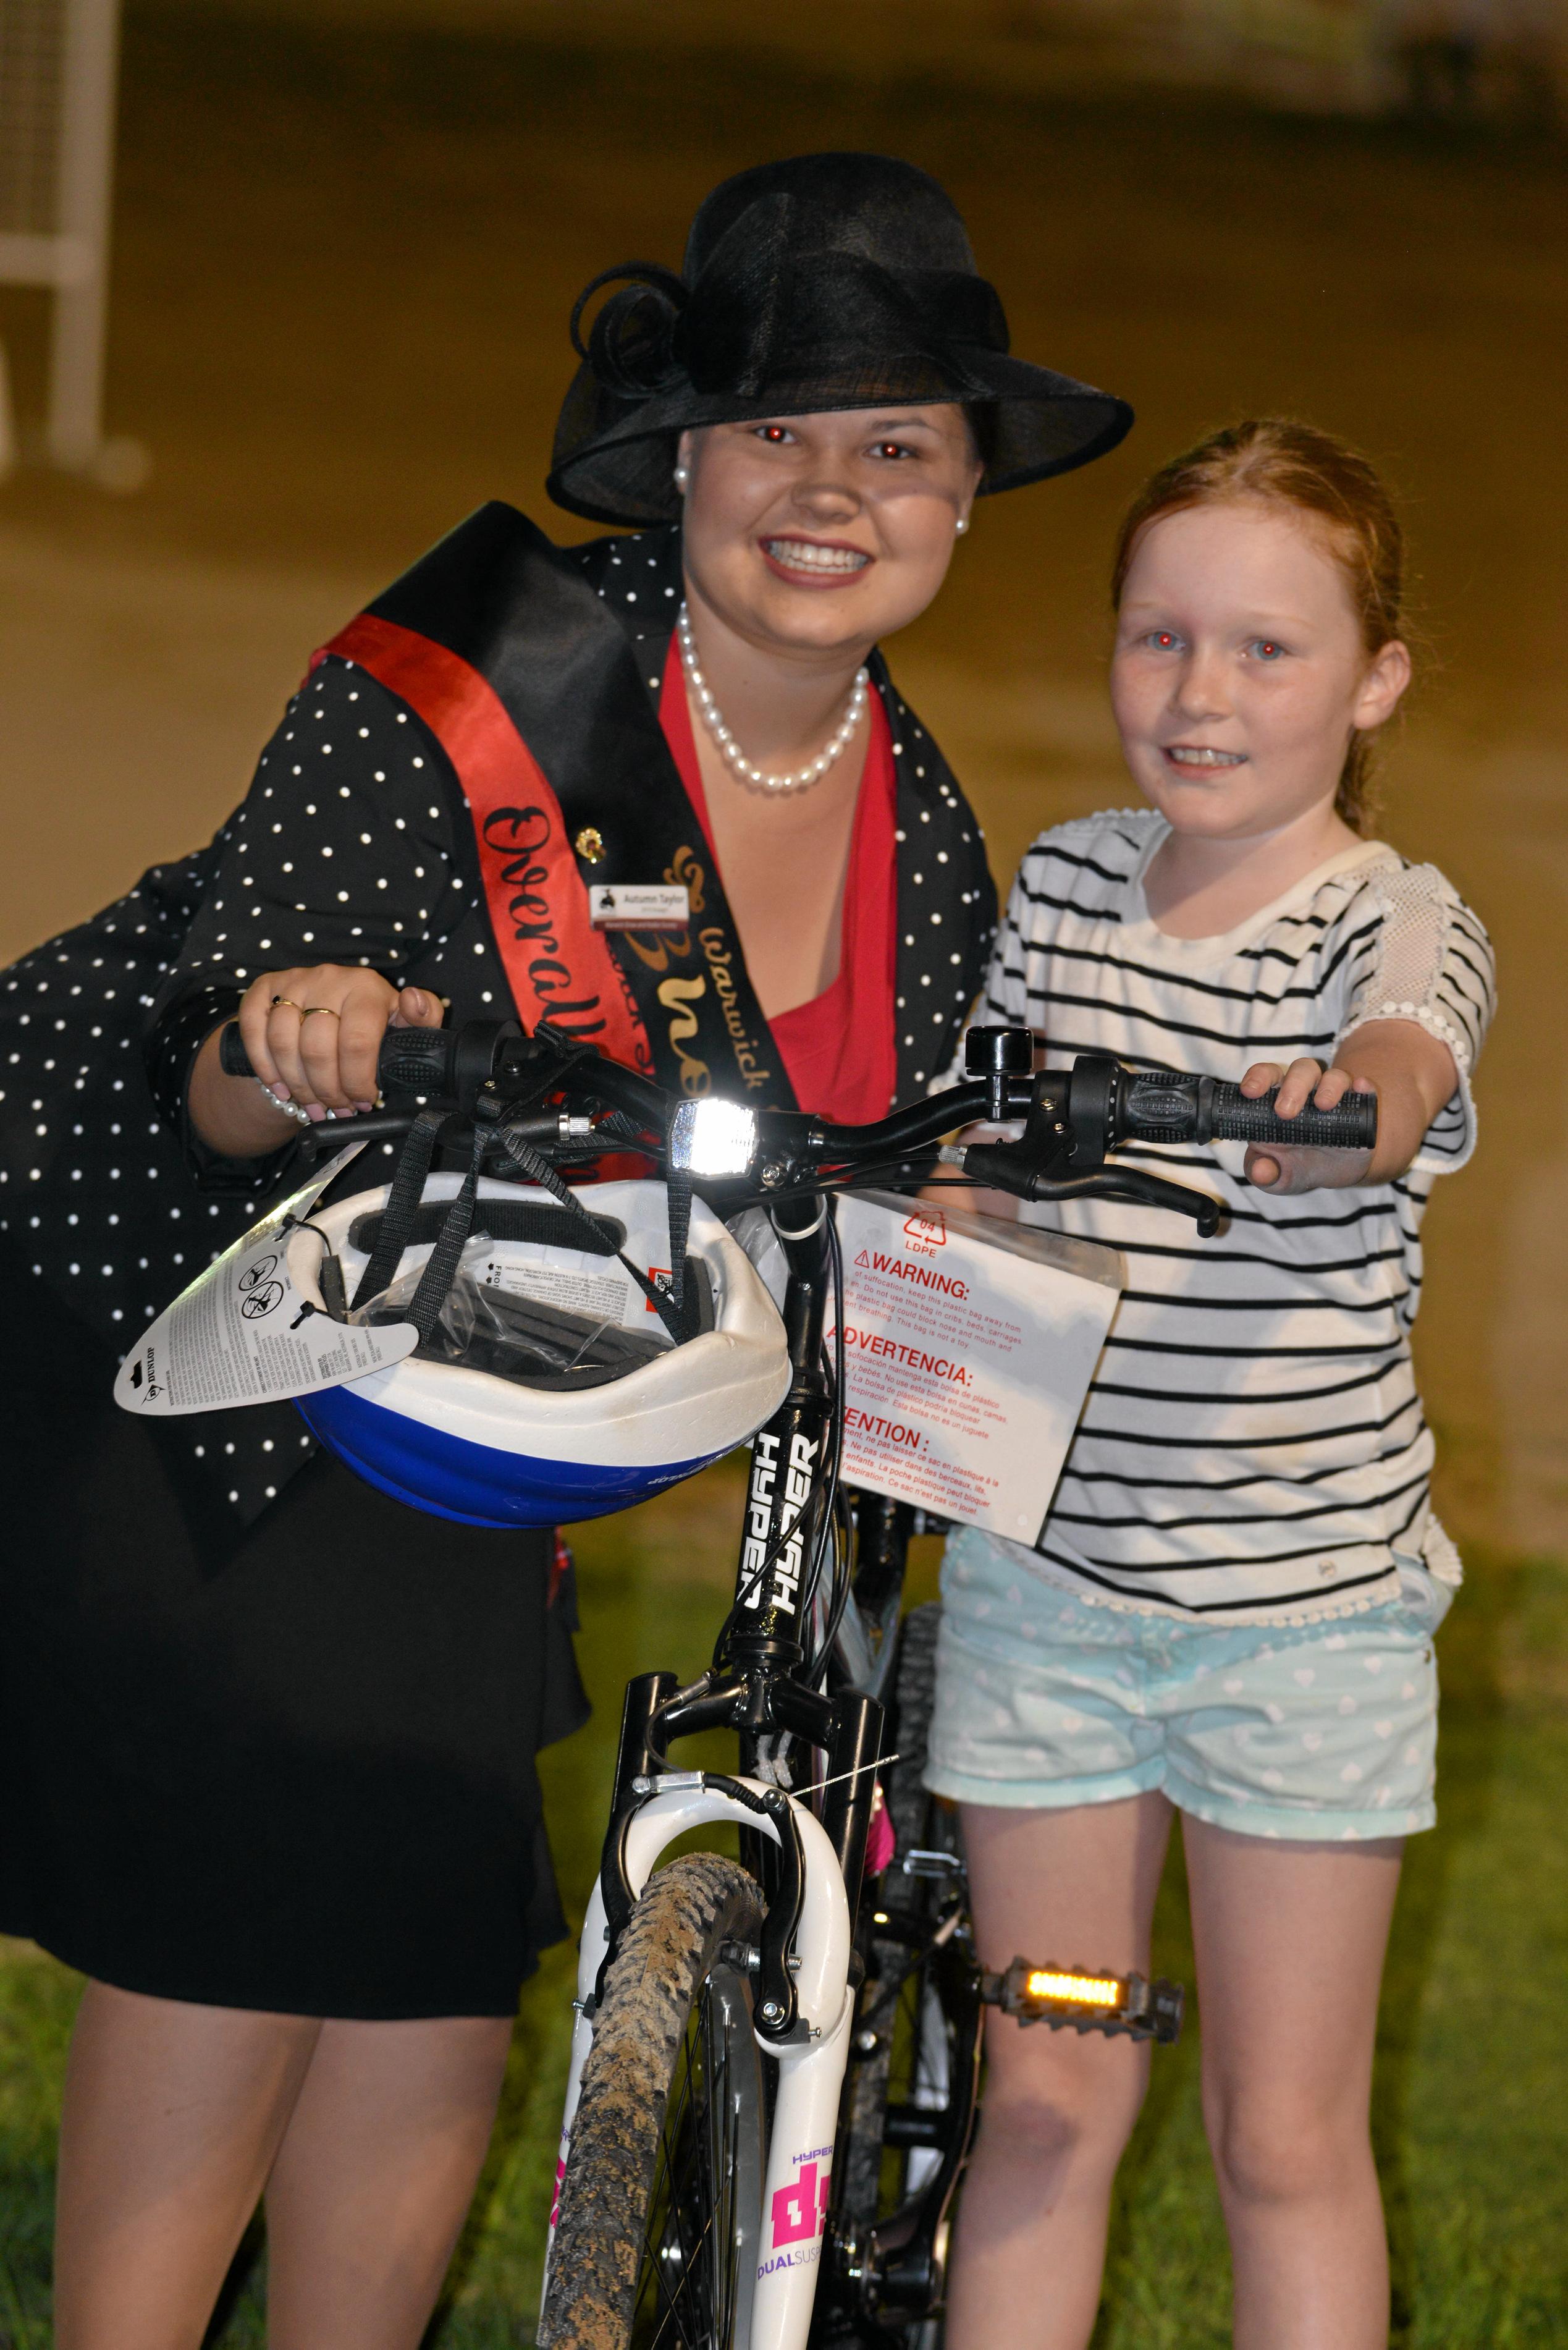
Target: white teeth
point(1190, 755)
point(802, 556)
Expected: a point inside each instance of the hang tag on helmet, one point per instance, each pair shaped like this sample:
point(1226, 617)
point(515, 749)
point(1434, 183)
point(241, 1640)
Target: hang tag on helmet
point(246, 1331)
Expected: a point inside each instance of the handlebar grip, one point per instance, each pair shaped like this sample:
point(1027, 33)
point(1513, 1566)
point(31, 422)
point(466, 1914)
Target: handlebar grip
point(1353, 1126)
point(1153, 1106)
point(232, 1058)
point(410, 1061)
point(417, 1061)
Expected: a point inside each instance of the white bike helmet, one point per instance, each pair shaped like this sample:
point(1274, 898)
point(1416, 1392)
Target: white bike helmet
point(591, 1437)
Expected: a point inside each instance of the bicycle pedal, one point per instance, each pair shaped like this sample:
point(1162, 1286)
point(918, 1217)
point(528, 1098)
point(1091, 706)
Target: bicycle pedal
point(1076, 1999)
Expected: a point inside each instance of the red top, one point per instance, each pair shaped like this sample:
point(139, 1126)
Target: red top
point(839, 1049)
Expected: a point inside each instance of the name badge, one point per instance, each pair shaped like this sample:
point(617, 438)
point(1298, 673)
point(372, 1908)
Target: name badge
point(648, 906)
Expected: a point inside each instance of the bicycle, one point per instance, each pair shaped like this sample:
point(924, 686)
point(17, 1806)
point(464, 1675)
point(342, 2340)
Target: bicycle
point(774, 2072)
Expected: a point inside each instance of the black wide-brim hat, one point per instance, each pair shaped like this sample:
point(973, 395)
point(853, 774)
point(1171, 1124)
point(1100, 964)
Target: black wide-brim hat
point(822, 282)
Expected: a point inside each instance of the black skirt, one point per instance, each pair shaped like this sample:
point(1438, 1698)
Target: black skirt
point(290, 1768)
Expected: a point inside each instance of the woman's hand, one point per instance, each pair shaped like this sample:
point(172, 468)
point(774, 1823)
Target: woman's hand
point(1411, 1072)
point(311, 1035)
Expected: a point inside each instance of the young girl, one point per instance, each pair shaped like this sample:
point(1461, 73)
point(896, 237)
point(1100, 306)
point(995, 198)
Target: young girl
point(1229, 1610)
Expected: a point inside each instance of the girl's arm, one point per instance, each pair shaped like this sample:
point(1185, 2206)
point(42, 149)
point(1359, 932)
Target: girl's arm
point(1413, 1075)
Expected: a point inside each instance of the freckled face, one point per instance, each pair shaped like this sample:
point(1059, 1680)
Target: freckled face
point(819, 533)
point(1240, 672)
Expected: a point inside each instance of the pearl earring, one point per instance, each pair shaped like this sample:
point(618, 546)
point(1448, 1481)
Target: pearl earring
point(681, 478)
point(961, 526)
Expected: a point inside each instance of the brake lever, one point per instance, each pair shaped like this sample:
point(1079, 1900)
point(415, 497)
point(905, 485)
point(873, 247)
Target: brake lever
point(1012, 1167)
point(1132, 1184)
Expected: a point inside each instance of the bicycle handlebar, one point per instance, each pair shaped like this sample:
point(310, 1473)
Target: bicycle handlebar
point(1072, 1119)
point(1157, 1107)
point(410, 1060)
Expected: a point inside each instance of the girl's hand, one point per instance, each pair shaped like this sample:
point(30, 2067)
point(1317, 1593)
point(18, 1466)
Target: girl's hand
point(1413, 1075)
point(1305, 1167)
point(313, 1035)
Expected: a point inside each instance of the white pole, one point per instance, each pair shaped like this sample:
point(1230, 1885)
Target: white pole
point(86, 176)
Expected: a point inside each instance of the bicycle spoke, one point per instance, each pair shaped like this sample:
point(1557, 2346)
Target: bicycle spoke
point(665, 2209)
point(672, 2310)
point(690, 2283)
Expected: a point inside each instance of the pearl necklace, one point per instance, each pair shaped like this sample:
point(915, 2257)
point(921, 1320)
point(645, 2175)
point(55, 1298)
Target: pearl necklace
point(813, 770)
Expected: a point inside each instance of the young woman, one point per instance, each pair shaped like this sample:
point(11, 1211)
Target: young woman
point(279, 1733)
point(1230, 1608)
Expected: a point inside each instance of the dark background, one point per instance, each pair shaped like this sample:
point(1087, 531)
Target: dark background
point(345, 256)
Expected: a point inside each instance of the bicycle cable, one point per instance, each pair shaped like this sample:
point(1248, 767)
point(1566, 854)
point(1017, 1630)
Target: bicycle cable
point(843, 1572)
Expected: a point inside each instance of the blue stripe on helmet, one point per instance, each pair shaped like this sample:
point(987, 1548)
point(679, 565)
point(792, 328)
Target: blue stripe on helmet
point(478, 1485)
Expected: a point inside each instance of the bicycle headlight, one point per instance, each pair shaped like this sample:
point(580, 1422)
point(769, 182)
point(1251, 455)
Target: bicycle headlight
point(712, 1137)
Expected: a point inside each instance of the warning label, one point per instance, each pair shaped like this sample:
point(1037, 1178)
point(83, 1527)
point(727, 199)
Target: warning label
point(605, 1297)
point(969, 1348)
point(243, 1333)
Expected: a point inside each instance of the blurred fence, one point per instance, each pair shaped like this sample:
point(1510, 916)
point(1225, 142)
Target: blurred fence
point(1484, 59)
point(57, 63)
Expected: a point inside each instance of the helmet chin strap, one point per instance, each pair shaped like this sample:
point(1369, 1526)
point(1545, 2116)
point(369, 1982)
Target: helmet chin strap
point(402, 1204)
point(669, 1305)
point(407, 1192)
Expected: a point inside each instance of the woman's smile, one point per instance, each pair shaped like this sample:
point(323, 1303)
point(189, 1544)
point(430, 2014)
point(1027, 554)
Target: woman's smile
point(817, 562)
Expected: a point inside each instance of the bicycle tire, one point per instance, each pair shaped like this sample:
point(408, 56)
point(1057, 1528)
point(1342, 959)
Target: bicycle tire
point(660, 2207)
point(919, 1821)
point(909, 1803)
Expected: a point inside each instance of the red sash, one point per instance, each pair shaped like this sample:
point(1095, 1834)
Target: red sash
point(558, 965)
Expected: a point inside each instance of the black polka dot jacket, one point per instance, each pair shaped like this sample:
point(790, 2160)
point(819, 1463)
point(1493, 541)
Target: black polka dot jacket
point(356, 844)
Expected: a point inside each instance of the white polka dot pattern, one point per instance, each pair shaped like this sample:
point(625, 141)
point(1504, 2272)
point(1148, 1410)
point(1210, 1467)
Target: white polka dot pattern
point(352, 846)
point(97, 1201)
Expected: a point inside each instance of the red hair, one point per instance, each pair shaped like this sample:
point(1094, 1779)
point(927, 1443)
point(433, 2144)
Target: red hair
point(1276, 460)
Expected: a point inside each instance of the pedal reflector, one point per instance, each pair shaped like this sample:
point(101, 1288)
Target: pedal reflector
point(1073, 1997)
point(1082, 1991)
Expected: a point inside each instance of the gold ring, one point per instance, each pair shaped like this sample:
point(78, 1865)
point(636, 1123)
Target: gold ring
point(318, 1007)
point(289, 1001)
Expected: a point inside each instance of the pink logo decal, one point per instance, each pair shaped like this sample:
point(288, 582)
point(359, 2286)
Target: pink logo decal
point(801, 2210)
point(555, 2198)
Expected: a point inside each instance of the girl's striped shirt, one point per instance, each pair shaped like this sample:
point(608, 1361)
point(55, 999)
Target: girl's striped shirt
point(1253, 1446)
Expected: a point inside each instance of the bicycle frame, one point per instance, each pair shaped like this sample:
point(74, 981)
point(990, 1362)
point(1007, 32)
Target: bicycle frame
point(803, 1967)
point(809, 1857)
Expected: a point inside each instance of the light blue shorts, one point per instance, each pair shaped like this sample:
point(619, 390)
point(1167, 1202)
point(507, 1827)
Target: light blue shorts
point(1315, 1731)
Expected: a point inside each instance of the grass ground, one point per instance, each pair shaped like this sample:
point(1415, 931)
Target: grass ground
point(1472, 2089)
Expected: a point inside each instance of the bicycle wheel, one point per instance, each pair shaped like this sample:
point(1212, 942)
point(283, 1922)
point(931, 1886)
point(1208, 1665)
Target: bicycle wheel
point(661, 2201)
point(890, 2030)
point(915, 2049)
point(914, 1811)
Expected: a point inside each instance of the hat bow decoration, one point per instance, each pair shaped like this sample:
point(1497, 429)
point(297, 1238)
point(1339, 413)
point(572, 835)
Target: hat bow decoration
point(631, 343)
